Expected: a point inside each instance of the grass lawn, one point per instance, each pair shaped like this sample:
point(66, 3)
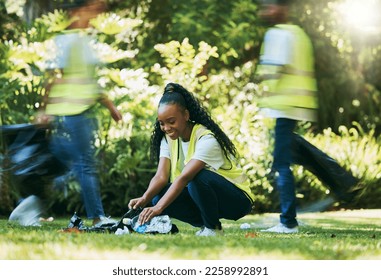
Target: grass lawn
point(342, 235)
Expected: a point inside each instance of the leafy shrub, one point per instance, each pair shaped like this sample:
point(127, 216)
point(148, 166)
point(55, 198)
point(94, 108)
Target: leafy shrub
point(359, 153)
point(230, 95)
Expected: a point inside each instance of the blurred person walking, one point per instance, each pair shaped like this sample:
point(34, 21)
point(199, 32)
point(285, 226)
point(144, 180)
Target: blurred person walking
point(286, 75)
point(71, 95)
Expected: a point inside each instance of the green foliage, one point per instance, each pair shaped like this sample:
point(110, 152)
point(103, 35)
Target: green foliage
point(53, 22)
point(183, 64)
point(113, 24)
point(23, 86)
point(230, 26)
point(211, 48)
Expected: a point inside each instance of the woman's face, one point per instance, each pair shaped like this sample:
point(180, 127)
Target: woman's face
point(173, 121)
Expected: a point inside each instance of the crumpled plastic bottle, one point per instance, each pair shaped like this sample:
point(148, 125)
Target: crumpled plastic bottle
point(141, 228)
point(158, 224)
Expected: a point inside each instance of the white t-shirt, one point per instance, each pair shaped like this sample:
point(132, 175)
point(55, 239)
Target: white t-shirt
point(207, 150)
point(64, 42)
point(277, 47)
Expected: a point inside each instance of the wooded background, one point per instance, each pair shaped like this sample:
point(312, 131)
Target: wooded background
point(210, 47)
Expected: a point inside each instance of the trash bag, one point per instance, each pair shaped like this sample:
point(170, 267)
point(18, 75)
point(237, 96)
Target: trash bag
point(76, 224)
point(32, 165)
point(29, 154)
point(126, 225)
point(340, 181)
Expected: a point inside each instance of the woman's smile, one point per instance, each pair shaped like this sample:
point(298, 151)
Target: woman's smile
point(172, 134)
point(173, 121)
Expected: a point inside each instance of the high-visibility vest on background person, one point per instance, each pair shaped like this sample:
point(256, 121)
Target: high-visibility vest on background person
point(77, 90)
point(293, 85)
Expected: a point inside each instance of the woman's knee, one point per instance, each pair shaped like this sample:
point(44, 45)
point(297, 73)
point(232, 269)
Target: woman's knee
point(202, 178)
point(156, 198)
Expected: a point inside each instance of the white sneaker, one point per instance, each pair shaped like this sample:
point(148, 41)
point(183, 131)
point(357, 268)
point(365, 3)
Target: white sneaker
point(208, 232)
point(28, 212)
point(199, 231)
point(281, 228)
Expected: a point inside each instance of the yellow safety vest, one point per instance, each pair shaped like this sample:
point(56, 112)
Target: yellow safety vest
point(234, 174)
point(77, 90)
point(292, 85)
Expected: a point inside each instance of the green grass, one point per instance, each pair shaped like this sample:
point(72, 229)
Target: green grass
point(341, 235)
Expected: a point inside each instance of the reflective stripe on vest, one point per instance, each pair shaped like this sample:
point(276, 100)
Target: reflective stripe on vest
point(234, 174)
point(290, 85)
point(77, 90)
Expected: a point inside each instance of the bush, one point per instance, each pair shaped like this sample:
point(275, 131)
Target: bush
point(359, 153)
point(230, 95)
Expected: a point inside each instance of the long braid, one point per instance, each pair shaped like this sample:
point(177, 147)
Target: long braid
point(156, 137)
point(197, 113)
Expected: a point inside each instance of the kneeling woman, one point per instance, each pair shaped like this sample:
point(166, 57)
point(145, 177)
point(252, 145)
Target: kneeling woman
point(198, 180)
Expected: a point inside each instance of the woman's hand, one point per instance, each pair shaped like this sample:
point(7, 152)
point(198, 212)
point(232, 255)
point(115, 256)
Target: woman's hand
point(115, 114)
point(148, 213)
point(42, 118)
point(137, 202)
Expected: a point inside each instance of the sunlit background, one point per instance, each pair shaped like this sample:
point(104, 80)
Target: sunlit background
point(362, 15)
point(215, 57)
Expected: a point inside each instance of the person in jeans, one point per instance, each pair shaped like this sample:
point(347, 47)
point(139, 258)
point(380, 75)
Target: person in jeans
point(286, 75)
point(71, 95)
point(198, 180)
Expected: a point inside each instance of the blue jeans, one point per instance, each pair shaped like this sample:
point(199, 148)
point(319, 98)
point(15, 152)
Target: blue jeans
point(206, 199)
point(283, 158)
point(73, 144)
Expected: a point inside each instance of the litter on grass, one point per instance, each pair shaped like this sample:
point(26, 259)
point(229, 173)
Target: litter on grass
point(127, 224)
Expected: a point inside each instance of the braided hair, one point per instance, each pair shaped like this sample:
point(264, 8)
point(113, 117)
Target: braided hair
point(176, 94)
